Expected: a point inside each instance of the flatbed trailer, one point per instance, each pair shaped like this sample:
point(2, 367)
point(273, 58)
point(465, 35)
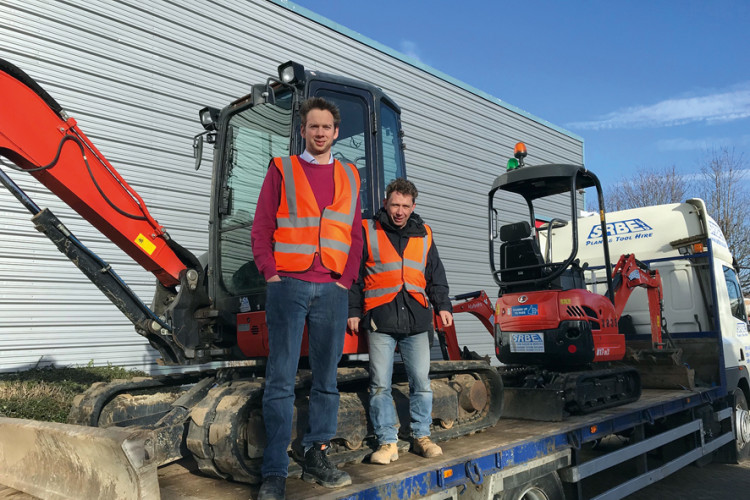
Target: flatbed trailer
point(515, 453)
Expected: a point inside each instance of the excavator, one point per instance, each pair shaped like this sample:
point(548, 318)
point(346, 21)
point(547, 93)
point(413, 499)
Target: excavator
point(207, 313)
point(561, 344)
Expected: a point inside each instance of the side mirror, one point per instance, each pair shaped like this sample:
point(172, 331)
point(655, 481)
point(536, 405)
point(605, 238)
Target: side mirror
point(263, 93)
point(198, 149)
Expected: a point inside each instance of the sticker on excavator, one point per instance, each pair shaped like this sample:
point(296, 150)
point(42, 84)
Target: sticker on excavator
point(525, 310)
point(526, 342)
point(145, 244)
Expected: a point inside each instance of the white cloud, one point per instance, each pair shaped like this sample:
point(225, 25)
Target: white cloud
point(410, 49)
point(682, 144)
point(719, 107)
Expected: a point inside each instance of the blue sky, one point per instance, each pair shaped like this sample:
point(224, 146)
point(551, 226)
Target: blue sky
point(647, 84)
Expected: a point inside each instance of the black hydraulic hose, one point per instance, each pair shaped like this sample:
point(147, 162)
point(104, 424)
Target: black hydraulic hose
point(54, 160)
point(25, 79)
point(81, 146)
point(105, 267)
point(469, 295)
point(186, 256)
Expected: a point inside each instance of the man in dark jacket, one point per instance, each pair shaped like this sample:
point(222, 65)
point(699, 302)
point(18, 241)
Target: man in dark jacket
point(401, 275)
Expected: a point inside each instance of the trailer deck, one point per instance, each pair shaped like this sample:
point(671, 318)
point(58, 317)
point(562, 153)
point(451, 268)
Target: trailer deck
point(509, 446)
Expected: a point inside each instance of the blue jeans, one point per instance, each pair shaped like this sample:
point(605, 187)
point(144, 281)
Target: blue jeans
point(289, 303)
point(415, 352)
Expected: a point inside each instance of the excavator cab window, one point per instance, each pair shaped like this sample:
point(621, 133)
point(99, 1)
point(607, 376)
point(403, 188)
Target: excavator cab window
point(369, 137)
point(390, 133)
point(254, 136)
point(352, 145)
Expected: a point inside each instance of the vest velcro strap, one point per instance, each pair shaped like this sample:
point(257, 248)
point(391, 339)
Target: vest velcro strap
point(419, 266)
point(337, 216)
point(414, 288)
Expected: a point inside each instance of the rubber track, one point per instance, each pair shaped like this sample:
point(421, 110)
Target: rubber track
point(216, 434)
point(217, 428)
point(87, 408)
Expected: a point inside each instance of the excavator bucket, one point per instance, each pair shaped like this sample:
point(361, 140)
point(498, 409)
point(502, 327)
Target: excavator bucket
point(62, 461)
point(661, 368)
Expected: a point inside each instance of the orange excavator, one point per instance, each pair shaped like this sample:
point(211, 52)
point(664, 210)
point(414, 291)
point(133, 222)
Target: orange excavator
point(208, 312)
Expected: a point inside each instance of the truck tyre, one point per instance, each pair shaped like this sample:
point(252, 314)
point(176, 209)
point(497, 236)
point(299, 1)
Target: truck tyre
point(547, 487)
point(741, 425)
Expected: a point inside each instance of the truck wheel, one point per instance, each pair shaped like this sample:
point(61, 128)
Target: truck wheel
point(741, 425)
point(547, 487)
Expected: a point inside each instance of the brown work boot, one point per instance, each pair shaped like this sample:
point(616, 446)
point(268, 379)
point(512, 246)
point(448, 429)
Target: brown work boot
point(423, 446)
point(385, 454)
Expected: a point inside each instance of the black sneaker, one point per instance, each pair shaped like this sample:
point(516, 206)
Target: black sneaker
point(273, 488)
point(318, 469)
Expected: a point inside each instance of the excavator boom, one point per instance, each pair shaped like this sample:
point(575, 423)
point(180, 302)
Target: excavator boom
point(38, 137)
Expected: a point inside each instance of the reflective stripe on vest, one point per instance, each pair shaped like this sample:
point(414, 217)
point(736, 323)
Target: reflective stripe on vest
point(302, 230)
point(386, 272)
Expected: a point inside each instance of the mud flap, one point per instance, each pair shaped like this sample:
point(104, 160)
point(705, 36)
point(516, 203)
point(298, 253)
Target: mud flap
point(63, 461)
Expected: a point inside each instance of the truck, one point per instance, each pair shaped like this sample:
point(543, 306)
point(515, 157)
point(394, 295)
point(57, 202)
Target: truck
point(207, 313)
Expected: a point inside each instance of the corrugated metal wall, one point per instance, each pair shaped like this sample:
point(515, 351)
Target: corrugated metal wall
point(134, 75)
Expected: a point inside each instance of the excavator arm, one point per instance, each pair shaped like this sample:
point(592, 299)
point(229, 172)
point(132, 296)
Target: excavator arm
point(628, 274)
point(38, 137)
point(477, 304)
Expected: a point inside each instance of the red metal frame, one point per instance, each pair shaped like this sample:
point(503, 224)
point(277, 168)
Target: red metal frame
point(252, 337)
point(555, 306)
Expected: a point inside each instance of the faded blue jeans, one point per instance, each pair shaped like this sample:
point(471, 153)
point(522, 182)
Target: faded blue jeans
point(415, 352)
point(289, 303)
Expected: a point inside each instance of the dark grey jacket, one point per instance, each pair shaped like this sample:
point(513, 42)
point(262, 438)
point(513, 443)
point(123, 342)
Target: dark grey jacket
point(403, 315)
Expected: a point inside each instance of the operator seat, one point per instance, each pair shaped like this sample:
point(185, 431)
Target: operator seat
point(519, 249)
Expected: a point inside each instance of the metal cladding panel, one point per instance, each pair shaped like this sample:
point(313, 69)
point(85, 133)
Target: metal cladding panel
point(134, 74)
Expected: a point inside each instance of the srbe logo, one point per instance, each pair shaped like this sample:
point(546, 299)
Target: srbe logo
point(620, 227)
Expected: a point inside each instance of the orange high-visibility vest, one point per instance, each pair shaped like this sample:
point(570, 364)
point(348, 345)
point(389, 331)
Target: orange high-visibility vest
point(302, 230)
point(386, 272)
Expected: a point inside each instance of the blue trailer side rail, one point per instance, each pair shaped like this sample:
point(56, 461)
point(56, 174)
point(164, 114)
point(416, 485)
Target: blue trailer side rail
point(512, 445)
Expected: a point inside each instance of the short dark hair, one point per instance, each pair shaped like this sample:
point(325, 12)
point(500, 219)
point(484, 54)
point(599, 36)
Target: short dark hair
point(402, 186)
point(319, 103)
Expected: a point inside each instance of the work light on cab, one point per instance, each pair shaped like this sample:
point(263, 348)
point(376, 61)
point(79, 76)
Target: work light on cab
point(291, 72)
point(520, 153)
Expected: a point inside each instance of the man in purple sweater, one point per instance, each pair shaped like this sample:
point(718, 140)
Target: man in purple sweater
point(307, 243)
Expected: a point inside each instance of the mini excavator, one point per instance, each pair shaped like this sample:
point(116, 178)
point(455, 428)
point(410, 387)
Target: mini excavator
point(561, 343)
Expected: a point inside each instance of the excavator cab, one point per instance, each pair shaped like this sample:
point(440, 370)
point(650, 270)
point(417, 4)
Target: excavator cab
point(207, 308)
point(518, 262)
point(247, 135)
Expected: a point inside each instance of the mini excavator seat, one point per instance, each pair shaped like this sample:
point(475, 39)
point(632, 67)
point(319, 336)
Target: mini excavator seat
point(520, 256)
